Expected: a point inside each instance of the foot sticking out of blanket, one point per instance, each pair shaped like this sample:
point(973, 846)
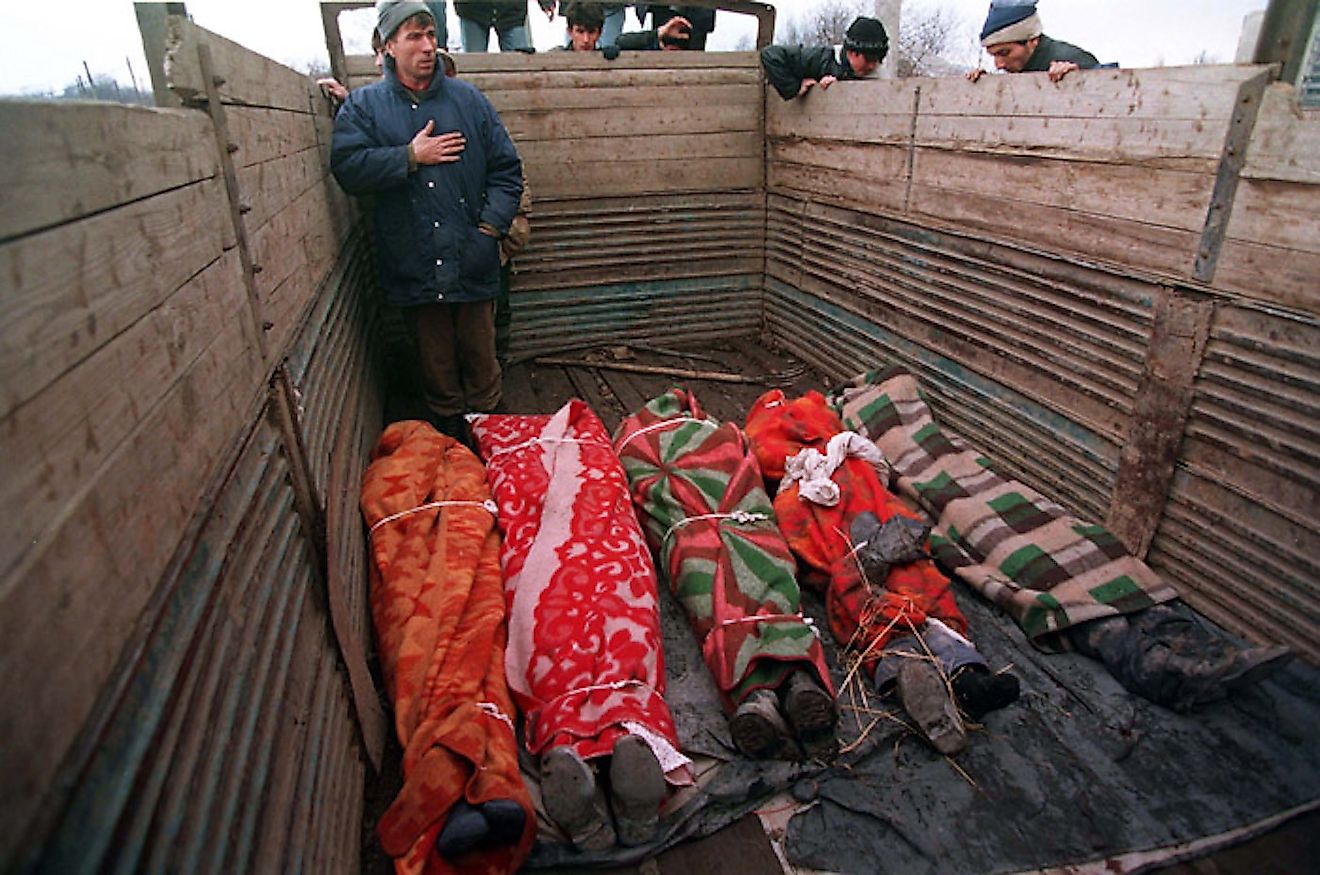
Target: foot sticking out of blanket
point(574, 801)
point(637, 787)
point(1165, 654)
point(978, 692)
point(758, 729)
point(928, 700)
point(812, 714)
point(493, 824)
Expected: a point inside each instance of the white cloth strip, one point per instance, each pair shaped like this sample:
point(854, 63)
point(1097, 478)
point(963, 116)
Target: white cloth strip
point(487, 505)
point(813, 470)
point(756, 618)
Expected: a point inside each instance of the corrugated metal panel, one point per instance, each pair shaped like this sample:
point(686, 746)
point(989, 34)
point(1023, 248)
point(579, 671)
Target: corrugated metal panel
point(1241, 533)
point(1027, 440)
point(189, 773)
point(613, 270)
point(336, 370)
point(692, 309)
point(1035, 359)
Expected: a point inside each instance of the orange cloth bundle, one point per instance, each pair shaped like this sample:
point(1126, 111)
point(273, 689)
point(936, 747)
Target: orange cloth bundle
point(437, 603)
point(862, 615)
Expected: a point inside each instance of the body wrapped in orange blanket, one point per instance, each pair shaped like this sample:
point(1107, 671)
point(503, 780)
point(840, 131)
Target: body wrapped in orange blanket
point(437, 603)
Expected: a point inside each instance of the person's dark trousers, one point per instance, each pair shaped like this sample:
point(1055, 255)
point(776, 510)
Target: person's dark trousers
point(503, 316)
point(456, 343)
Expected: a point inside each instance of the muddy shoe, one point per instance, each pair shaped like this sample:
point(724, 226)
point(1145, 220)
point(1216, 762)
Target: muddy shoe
point(978, 692)
point(812, 714)
point(925, 697)
point(757, 727)
point(573, 800)
point(637, 787)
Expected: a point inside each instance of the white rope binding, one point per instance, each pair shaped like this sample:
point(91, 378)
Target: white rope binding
point(487, 505)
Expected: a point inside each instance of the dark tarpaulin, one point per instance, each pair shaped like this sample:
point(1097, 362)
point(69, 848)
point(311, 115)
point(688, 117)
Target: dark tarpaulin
point(1079, 770)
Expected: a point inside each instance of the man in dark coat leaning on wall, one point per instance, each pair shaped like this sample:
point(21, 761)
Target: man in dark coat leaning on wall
point(447, 181)
point(1012, 36)
point(793, 70)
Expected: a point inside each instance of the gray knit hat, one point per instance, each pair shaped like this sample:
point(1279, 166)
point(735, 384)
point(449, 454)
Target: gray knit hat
point(392, 13)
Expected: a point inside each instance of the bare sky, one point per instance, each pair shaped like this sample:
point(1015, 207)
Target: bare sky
point(42, 48)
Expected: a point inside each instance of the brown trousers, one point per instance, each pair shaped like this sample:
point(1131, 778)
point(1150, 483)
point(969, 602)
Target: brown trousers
point(457, 346)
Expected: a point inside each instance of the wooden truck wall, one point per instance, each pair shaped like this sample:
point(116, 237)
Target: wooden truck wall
point(1089, 283)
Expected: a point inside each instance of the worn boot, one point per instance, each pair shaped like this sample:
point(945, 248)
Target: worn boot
point(812, 714)
point(1166, 655)
point(637, 787)
point(978, 692)
point(881, 546)
point(574, 801)
point(757, 727)
point(926, 698)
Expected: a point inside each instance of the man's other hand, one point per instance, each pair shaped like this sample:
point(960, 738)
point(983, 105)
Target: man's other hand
point(444, 149)
point(1059, 69)
point(827, 81)
point(974, 75)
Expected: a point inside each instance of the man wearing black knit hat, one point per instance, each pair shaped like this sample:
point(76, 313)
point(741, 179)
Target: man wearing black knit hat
point(1012, 36)
point(792, 70)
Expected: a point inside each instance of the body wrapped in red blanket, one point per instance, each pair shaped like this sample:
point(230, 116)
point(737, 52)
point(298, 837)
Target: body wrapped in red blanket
point(584, 660)
point(437, 604)
point(862, 615)
point(886, 601)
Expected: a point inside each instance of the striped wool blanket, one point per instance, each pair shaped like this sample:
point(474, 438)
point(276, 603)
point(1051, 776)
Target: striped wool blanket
point(584, 659)
point(1046, 568)
point(437, 604)
point(863, 615)
point(699, 493)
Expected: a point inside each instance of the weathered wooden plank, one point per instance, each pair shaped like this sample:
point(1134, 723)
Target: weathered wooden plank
point(264, 134)
point(1170, 198)
point(296, 250)
point(1177, 144)
point(694, 64)
point(838, 186)
point(276, 184)
point(1159, 417)
point(1127, 245)
point(119, 535)
point(1285, 144)
point(55, 443)
point(619, 176)
point(249, 78)
point(1285, 277)
point(554, 125)
point(606, 82)
point(73, 288)
point(1201, 92)
point(64, 161)
point(654, 99)
point(1280, 214)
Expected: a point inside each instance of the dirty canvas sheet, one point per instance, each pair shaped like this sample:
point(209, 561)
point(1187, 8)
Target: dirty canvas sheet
point(437, 605)
point(1025, 553)
point(701, 499)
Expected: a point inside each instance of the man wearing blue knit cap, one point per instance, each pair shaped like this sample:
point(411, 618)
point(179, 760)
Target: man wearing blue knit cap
point(1012, 35)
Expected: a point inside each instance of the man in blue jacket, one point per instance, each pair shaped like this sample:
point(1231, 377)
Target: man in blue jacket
point(446, 180)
